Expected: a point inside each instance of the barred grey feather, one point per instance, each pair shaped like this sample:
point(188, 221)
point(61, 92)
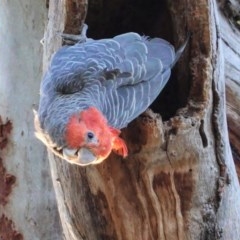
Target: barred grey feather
point(120, 76)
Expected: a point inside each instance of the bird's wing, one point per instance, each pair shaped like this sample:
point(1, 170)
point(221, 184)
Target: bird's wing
point(148, 63)
point(122, 76)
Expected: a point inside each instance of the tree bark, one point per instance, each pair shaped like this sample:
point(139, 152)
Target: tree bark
point(179, 181)
point(229, 22)
point(27, 200)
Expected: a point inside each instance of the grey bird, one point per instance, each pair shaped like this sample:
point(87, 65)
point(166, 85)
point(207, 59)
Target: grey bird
point(97, 87)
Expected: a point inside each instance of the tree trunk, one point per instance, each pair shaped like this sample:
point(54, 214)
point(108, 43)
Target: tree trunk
point(27, 200)
point(179, 181)
point(231, 42)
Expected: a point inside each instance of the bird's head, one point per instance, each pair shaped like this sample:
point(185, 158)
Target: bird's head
point(89, 139)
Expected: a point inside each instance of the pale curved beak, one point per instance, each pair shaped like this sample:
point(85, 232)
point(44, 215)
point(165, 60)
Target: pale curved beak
point(69, 154)
point(85, 156)
point(82, 156)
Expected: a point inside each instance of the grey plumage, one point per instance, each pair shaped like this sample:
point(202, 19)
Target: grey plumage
point(121, 77)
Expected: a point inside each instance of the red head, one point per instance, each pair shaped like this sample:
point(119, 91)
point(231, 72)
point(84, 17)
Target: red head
point(89, 131)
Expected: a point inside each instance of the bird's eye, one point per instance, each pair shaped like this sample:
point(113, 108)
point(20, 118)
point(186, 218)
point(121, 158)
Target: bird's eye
point(90, 135)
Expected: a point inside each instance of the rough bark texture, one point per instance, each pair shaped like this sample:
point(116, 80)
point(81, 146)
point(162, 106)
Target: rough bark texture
point(179, 181)
point(231, 44)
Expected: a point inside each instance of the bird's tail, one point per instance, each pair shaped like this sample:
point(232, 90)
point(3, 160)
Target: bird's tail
point(180, 50)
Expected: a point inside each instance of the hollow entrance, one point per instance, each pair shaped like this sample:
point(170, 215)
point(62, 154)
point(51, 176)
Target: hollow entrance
point(152, 18)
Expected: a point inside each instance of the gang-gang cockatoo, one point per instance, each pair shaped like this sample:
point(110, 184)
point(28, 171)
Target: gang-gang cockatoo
point(95, 88)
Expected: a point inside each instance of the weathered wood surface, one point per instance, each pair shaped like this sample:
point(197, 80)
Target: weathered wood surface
point(230, 35)
point(173, 185)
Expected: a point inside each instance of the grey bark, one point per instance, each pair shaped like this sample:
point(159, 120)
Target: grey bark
point(29, 209)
